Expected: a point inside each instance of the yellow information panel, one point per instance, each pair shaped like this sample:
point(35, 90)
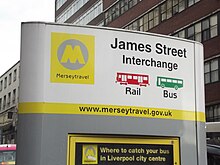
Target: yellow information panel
point(114, 150)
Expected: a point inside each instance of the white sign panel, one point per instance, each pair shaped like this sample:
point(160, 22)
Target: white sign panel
point(97, 71)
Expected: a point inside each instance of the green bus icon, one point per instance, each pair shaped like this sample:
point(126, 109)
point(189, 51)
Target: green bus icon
point(169, 82)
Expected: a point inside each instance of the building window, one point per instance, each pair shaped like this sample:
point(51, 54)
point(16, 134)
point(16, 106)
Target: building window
point(115, 12)
point(190, 33)
point(134, 26)
point(169, 9)
point(207, 73)
point(181, 5)
point(9, 79)
point(0, 104)
point(175, 7)
point(156, 16)
point(1, 85)
point(14, 96)
point(15, 75)
point(213, 113)
point(214, 70)
point(123, 6)
point(190, 2)
point(5, 82)
point(151, 20)
point(213, 26)
point(205, 30)
point(198, 36)
point(9, 99)
point(163, 12)
point(146, 22)
point(211, 70)
point(182, 34)
point(132, 3)
point(4, 102)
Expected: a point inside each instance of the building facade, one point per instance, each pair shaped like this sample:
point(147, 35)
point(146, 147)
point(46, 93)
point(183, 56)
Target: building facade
point(191, 19)
point(9, 86)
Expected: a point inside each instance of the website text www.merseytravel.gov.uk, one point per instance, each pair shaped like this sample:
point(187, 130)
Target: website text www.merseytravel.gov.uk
point(125, 111)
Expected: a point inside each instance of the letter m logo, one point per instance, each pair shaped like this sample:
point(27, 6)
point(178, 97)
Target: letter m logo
point(72, 54)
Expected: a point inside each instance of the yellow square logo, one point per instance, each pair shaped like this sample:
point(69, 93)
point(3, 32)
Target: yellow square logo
point(89, 154)
point(72, 58)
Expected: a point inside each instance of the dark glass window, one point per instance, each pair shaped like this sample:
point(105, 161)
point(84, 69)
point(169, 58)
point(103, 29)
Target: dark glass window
point(205, 30)
point(213, 113)
point(190, 33)
point(211, 70)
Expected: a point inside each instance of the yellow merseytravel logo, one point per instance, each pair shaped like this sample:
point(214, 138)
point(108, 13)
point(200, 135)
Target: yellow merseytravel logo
point(72, 58)
point(90, 154)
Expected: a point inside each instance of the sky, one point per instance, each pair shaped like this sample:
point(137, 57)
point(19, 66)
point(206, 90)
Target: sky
point(12, 13)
